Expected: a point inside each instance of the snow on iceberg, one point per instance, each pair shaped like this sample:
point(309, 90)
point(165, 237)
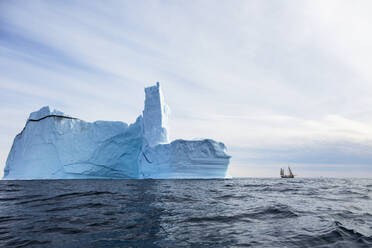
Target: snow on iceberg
point(54, 145)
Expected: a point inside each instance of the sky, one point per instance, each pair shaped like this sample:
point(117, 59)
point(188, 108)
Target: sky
point(279, 82)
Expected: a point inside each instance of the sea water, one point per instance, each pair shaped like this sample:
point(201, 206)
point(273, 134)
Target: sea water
point(299, 212)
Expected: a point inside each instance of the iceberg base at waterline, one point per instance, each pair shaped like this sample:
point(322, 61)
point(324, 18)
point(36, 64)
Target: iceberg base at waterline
point(53, 145)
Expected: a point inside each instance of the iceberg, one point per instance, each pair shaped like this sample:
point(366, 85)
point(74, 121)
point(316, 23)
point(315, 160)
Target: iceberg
point(53, 145)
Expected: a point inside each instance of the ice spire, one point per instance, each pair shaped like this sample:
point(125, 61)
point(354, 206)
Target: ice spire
point(155, 116)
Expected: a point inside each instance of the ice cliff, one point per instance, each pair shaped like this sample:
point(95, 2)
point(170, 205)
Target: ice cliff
point(53, 145)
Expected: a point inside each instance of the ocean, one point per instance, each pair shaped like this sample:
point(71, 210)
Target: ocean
point(300, 212)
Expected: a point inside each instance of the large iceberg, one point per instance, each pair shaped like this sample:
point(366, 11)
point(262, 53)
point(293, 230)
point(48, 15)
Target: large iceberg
point(54, 145)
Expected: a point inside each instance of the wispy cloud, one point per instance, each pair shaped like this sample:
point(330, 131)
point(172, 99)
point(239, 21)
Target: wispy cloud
point(276, 81)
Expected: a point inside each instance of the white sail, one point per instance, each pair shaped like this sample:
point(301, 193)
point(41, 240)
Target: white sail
point(290, 171)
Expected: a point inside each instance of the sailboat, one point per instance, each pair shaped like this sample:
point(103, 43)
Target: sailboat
point(290, 175)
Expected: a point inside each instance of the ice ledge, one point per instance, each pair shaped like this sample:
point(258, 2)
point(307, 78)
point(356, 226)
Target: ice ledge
point(45, 112)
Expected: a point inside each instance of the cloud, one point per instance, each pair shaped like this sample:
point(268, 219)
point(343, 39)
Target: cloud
point(267, 78)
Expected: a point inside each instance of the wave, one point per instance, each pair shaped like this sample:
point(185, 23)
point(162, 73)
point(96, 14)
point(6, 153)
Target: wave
point(271, 212)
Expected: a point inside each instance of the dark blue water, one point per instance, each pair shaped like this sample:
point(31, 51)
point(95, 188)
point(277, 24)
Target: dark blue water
point(187, 213)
